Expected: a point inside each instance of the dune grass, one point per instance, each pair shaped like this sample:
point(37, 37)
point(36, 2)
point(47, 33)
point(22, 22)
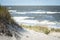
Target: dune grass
point(6, 22)
point(43, 29)
point(37, 28)
point(4, 14)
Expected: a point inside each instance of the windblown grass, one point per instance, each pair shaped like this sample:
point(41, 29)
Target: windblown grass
point(6, 22)
point(43, 29)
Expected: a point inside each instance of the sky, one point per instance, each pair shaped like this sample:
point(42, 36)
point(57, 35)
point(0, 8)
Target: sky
point(30, 2)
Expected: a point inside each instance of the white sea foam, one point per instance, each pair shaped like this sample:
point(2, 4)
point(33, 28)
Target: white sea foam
point(36, 11)
point(21, 19)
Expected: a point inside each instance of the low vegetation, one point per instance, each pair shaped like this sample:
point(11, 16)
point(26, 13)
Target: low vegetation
point(5, 15)
point(5, 21)
point(43, 29)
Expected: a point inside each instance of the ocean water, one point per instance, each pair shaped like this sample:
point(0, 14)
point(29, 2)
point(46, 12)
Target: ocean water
point(36, 17)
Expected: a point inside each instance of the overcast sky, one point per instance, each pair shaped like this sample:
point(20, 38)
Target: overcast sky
point(30, 2)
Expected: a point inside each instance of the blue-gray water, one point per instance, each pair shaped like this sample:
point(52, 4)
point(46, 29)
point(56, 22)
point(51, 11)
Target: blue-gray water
point(53, 17)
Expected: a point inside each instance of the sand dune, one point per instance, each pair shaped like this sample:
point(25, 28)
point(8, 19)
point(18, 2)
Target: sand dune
point(32, 35)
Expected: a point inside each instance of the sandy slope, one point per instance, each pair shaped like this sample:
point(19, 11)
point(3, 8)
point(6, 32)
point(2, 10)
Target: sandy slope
point(5, 38)
point(32, 35)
